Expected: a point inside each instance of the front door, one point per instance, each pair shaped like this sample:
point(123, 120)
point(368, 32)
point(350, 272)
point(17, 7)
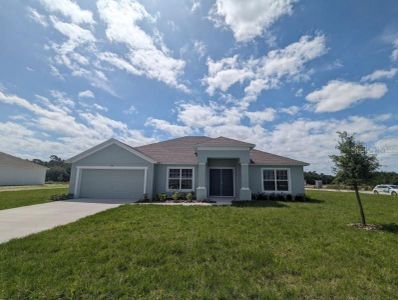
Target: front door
point(221, 183)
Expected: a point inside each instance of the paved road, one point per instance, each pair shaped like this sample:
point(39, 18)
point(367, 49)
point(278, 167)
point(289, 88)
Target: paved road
point(22, 221)
point(334, 190)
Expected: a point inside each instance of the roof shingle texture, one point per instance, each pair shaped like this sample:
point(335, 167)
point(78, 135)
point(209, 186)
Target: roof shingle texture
point(10, 160)
point(182, 151)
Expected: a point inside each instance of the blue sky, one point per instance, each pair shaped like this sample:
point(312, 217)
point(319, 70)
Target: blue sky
point(283, 74)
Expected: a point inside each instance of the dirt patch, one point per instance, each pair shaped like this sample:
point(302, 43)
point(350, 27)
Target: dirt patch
point(368, 227)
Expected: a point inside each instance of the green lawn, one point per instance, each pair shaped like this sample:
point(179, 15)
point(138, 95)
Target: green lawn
point(280, 250)
point(11, 199)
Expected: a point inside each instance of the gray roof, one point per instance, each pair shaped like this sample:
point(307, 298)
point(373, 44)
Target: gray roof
point(10, 160)
point(182, 151)
point(224, 142)
point(176, 151)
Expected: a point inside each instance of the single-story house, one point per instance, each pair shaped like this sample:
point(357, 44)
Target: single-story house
point(18, 171)
point(210, 167)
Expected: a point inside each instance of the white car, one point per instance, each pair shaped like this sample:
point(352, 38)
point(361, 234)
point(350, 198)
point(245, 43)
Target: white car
point(387, 189)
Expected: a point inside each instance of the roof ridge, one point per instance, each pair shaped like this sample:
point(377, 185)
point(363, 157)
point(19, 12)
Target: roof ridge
point(174, 139)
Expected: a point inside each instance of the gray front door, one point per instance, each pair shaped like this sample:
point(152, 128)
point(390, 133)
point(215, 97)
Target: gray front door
point(221, 182)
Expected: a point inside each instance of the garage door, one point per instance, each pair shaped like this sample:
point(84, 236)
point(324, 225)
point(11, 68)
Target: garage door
point(112, 184)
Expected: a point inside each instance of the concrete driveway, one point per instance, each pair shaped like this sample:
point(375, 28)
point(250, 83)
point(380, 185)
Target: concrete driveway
point(22, 221)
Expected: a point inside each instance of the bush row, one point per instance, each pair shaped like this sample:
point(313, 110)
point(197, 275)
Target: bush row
point(160, 197)
point(59, 197)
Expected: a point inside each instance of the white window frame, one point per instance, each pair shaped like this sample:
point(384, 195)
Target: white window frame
point(180, 168)
point(289, 182)
point(80, 168)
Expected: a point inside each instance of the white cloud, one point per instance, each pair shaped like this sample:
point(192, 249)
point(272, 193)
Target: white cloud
point(171, 129)
point(86, 94)
point(251, 18)
point(75, 130)
point(147, 55)
point(131, 110)
point(266, 72)
point(69, 9)
point(394, 54)
point(338, 95)
point(200, 48)
point(259, 117)
point(195, 5)
point(224, 73)
point(37, 17)
point(100, 107)
point(291, 110)
point(76, 34)
point(380, 74)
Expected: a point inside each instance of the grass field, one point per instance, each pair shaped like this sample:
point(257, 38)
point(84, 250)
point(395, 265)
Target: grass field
point(275, 250)
point(11, 199)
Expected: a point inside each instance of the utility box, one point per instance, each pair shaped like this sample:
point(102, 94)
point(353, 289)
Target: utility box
point(318, 184)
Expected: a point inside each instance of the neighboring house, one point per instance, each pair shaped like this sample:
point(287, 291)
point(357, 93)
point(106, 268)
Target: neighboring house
point(212, 167)
point(18, 171)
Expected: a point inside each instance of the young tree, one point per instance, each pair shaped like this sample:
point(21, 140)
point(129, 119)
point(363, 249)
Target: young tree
point(353, 165)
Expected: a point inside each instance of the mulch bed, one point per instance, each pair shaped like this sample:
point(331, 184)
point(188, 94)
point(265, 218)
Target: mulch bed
point(368, 227)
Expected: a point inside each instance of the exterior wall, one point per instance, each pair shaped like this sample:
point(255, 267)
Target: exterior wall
point(160, 184)
point(296, 178)
point(241, 155)
point(114, 155)
point(20, 175)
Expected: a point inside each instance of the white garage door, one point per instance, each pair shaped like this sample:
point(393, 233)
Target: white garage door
point(112, 184)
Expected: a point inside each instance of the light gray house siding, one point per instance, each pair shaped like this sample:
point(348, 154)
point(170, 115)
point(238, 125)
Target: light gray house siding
point(20, 175)
point(296, 178)
point(18, 171)
point(111, 156)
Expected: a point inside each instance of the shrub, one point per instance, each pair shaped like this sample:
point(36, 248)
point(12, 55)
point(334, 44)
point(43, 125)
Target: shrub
point(272, 197)
point(182, 196)
point(289, 197)
point(280, 197)
point(163, 196)
point(189, 196)
point(59, 197)
point(175, 196)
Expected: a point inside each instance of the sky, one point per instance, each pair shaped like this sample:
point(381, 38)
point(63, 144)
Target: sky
point(285, 75)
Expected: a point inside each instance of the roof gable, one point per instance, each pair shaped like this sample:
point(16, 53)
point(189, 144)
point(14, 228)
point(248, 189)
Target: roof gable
point(106, 144)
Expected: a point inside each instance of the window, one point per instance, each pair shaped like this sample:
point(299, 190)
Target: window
point(275, 180)
point(180, 179)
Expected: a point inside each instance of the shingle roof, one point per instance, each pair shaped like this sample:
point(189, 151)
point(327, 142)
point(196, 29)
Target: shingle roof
point(264, 158)
point(7, 160)
point(182, 151)
point(176, 151)
point(223, 141)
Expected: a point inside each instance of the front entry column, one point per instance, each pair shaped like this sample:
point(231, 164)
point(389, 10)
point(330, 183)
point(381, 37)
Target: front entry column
point(201, 192)
point(245, 192)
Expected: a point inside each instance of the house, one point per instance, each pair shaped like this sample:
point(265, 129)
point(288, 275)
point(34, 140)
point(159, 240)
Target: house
point(211, 167)
point(18, 171)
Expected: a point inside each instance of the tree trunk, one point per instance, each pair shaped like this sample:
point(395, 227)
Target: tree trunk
point(363, 221)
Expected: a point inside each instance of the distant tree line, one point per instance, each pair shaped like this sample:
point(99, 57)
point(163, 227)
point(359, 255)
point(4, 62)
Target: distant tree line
point(377, 178)
point(58, 169)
